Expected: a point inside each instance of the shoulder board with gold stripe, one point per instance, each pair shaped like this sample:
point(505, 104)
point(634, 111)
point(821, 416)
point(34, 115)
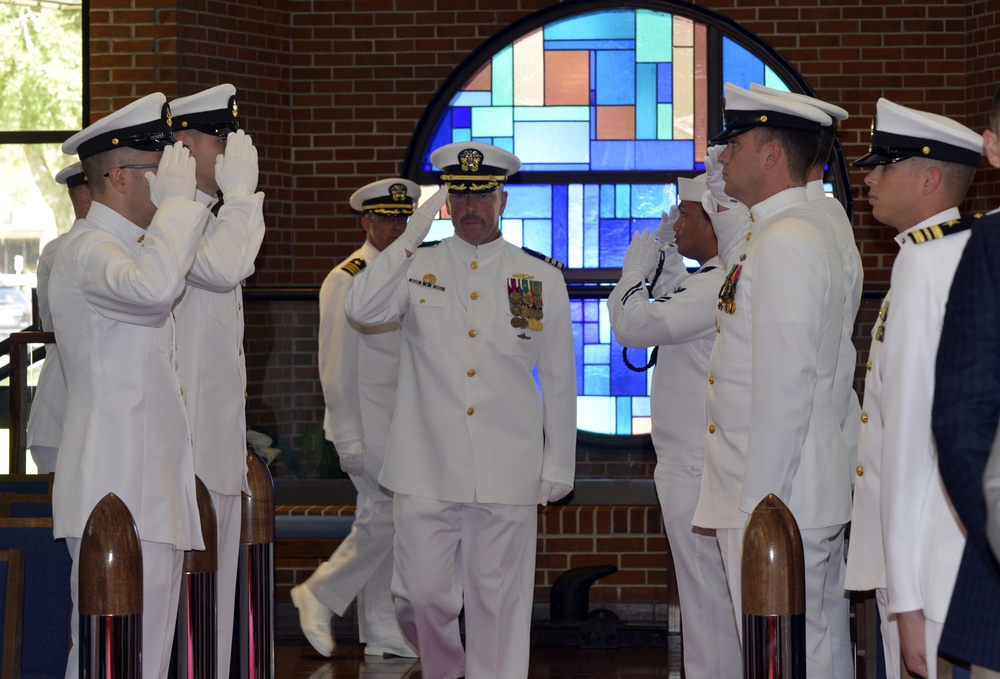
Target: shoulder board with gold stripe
point(429, 244)
point(354, 266)
point(929, 233)
point(545, 258)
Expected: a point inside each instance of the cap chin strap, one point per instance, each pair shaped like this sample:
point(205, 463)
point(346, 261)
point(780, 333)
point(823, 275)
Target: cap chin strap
point(656, 350)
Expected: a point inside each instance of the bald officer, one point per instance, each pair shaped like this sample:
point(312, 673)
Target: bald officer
point(113, 283)
point(209, 319)
point(48, 408)
point(681, 323)
point(906, 540)
point(359, 368)
point(473, 447)
point(773, 421)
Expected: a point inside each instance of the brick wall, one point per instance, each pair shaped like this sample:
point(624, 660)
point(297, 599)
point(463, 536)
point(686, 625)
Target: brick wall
point(333, 89)
point(630, 538)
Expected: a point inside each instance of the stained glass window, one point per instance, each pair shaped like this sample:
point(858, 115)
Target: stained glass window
point(606, 109)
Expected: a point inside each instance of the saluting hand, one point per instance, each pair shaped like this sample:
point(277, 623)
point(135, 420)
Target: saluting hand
point(420, 221)
point(642, 255)
point(236, 170)
point(174, 177)
point(716, 183)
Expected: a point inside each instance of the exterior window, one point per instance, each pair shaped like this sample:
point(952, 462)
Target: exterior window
point(606, 108)
point(42, 79)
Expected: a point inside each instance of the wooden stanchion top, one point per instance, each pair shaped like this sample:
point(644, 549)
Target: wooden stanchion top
point(773, 574)
point(258, 506)
point(110, 561)
point(204, 560)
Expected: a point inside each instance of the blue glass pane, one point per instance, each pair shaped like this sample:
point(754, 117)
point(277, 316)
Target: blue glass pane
point(597, 353)
point(552, 142)
point(612, 155)
point(472, 98)
point(626, 382)
point(665, 155)
point(596, 380)
point(591, 333)
point(591, 226)
point(624, 419)
point(538, 235)
point(513, 231)
point(664, 83)
point(654, 32)
point(640, 406)
point(591, 310)
point(645, 101)
point(529, 200)
point(493, 121)
point(560, 221)
point(615, 78)
point(596, 25)
point(739, 66)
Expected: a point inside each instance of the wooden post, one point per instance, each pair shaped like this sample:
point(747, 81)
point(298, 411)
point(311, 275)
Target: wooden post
point(774, 594)
point(256, 574)
point(196, 644)
point(110, 593)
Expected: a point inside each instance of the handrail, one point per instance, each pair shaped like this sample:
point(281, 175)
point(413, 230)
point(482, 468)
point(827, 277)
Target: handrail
point(18, 372)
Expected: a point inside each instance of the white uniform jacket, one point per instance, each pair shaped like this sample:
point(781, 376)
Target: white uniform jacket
point(848, 407)
point(682, 324)
point(111, 290)
point(866, 555)
point(469, 425)
point(210, 358)
point(923, 538)
point(45, 423)
point(773, 423)
point(358, 365)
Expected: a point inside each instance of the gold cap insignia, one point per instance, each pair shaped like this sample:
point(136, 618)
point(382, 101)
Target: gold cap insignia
point(235, 108)
point(926, 150)
point(115, 141)
point(763, 119)
point(168, 115)
point(470, 159)
point(398, 192)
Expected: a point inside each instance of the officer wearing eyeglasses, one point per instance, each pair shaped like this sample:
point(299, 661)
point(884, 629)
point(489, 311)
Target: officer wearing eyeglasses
point(113, 283)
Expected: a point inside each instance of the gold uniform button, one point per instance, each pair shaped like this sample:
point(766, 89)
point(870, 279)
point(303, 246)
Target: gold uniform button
point(864, 417)
point(472, 333)
point(718, 329)
point(245, 396)
point(860, 470)
point(474, 266)
point(182, 391)
point(474, 296)
point(711, 429)
point(471, 373)
point(711, 379)
point(423, 301)
point(471, 411)
point(868, 366)
point(240, 352)
point(239, 306)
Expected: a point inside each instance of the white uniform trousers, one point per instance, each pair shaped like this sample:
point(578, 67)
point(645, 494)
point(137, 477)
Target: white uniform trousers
point(229, 519)
point(44, 458)
point(484, 554)
point(161, 590)
point(828, 646)
point(711, 641)
point(983, 673)
point(362, 564)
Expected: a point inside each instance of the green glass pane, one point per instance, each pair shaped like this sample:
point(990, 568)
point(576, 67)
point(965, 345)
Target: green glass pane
point(774, 81)
point(503, 77)
point(654, 32)
point(492, 121)
point(664, 121)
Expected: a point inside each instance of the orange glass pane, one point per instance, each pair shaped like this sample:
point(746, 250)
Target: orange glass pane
point(616, 122)
point(567, 78)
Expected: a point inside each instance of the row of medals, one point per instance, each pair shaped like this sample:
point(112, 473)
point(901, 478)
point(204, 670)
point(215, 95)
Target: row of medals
point(527, 310)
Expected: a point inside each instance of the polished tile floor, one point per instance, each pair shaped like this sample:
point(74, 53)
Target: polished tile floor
point(349, 662)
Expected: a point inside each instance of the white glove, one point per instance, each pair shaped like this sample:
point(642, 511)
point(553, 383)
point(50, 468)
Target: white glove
point(716, 184)
point(420, 220)
point(174, 177)
point(236, 170)
point(352, 456)
point(666, 234)
point(642, 255)
point(551, 491)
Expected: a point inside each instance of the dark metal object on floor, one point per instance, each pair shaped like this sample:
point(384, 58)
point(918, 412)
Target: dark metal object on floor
point(110, 593)
point(196, 645)
point(774, 596)
point(569, 609)
point(256, 574)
